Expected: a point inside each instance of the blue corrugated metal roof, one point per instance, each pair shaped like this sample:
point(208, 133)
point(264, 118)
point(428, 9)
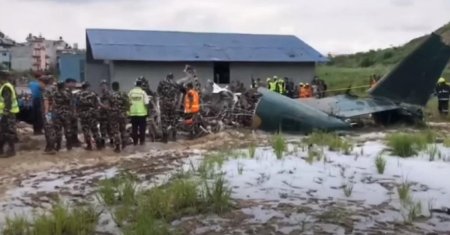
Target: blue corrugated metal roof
point(136, 45)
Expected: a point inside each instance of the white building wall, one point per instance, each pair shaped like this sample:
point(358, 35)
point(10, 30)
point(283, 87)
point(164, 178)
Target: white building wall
point(21, 57)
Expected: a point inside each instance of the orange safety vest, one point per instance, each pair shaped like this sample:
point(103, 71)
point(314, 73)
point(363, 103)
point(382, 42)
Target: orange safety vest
point(193, 107)
point(309, 92)
point(305, 92)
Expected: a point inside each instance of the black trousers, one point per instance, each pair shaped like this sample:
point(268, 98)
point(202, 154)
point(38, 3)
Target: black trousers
point(38, 121)
point(138, 126)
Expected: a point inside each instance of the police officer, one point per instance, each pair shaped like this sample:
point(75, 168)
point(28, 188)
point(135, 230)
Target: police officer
point(88, 113)
point(9, 107)
point(123, 108)
point(138, 113)
point(443, 94)
point(168, 92)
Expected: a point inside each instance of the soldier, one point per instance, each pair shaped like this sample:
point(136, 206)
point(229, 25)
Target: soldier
point(105, 99)
point(118, 117)
point(70, 86)
point(88, 113)
point(49, 117)
point(9, 107)
point(168, 92)
point(63, 110)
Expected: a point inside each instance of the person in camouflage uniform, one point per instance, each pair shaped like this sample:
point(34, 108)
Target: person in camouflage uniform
point(168, 92)
point(8, 131)
point(88, 113)
point(104, 112)
point(63, 111)
point(118, 111)
point(70, 85)
point(49, 117)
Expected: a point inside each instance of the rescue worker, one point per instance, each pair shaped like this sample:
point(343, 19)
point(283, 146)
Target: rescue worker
point(49, 117)
point(191, 101)
point(104, 112)
point(301, 89)
point(269, 84)
point(138, 112)
point(253, 83)
point(118, 110)
point(9, 107)
point(88, 113)
point(281, 86)
point(63, 109)
point(308, 91)
point(273, 84)
point(168, 92)
point(443, 95)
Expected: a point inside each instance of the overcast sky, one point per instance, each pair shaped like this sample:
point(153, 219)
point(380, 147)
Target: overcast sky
point(330, 26)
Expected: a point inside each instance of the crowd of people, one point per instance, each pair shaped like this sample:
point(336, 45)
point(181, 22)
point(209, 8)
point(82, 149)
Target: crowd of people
point(287, 87)
point(103, 117)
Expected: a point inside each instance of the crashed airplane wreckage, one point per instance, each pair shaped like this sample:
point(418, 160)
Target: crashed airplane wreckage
point(400, 95)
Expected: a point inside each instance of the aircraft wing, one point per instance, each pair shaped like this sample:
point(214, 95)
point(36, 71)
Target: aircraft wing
point(345, 106)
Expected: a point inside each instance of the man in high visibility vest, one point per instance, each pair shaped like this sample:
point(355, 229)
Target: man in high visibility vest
point(138, 112)
point(9, 107)
point(443, 95)
point(191, 101)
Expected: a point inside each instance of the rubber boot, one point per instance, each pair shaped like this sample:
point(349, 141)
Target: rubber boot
point(117, 148)
point(100, 144)
point(2, 145)
point(89, 146)
point(165, 137)
point(58, 145)
point(11, 150)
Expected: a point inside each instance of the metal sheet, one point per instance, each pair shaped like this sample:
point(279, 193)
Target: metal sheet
point(184, 46)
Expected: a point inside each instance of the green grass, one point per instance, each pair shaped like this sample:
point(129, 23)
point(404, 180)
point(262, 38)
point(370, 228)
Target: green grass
point(252, 150)
point(314, 155)
point(404, 193)
point(447, 142)
point(433, 152)
point(60, 220)
point(409, 144)
point(331, 140)
point(279, 145)
point(380, 163)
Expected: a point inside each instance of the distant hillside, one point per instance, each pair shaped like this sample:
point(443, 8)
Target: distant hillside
point(389, 56)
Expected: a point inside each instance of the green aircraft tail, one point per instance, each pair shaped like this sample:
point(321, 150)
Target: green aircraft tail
point(413, 80)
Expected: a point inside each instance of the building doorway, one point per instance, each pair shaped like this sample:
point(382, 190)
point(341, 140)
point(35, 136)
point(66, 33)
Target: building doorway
point(222, 73)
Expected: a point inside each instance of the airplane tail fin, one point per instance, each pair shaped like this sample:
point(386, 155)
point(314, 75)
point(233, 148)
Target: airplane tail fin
point(413, 80)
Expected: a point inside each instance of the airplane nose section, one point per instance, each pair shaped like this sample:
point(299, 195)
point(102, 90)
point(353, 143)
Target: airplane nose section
point(276, 112)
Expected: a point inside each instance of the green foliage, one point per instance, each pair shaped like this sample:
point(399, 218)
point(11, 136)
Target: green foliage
point(217, 196)
point(314, 155)
point(61, 220)
point(447, 142)
point(414, 211)
point(380, 163)
point(331, 140)
point(433, 152)
point(407, 145)
point(404, 193)
point(252, 150)
point(279, 145)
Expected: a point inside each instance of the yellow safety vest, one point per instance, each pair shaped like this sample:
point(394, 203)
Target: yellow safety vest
point(15, 104)
point(138, 107)
point(273, 85)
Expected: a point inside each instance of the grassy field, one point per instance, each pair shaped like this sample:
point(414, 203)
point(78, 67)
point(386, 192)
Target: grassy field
point(340, 78)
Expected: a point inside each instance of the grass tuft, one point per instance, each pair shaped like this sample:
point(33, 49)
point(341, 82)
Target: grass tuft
point(404, 192)
point(348, 189)
point(252, 150)
point(61, 220)
point(333, 141)
point(380, 163)
point(279, 145)
point(407, 145)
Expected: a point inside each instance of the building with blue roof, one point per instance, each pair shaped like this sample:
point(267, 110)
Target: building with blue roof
point(124, 55)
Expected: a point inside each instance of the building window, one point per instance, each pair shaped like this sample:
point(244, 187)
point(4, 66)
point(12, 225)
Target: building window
point(222, 73)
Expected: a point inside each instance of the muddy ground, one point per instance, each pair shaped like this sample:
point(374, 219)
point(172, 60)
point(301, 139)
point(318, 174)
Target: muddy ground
point(279, 202)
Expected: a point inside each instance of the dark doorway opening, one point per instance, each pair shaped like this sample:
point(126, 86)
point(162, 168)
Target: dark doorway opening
point(222, 73)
